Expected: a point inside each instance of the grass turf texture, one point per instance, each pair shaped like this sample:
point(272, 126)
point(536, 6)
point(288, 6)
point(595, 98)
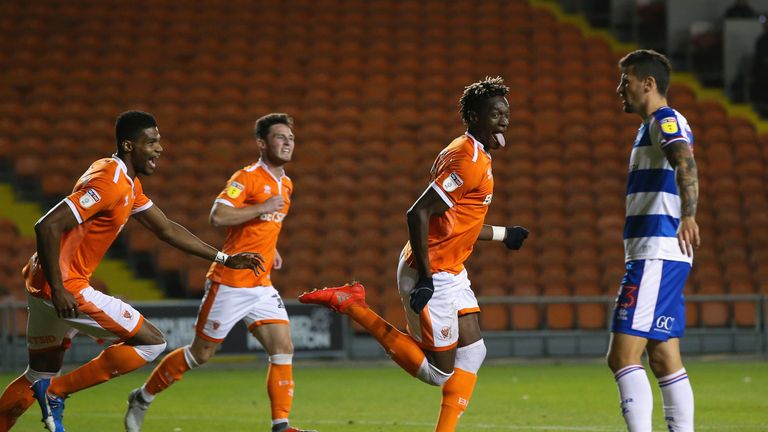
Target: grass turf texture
point(730, 396)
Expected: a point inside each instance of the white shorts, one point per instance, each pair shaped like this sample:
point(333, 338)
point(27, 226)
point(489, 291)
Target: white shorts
point(100, 316)
point(223, 306)
point(437, 327)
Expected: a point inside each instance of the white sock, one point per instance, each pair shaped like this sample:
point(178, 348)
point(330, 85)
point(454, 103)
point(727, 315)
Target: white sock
point(636, 398)
point(148, 397)
point(677, 395)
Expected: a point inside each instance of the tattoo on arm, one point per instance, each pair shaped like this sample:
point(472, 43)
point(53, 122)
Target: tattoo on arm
point(680, 156)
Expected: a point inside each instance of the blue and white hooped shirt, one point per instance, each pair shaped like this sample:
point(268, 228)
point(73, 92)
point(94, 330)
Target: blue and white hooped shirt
point(653, 201)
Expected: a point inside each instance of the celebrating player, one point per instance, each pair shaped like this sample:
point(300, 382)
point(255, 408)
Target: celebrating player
point(71, 240)
point(252, 206)
point(660, 234)
point(445, 347)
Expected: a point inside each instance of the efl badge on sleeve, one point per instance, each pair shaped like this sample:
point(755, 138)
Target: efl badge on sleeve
point(452, 182)
point(235, 189)
point(89, 198)
point(669, 125)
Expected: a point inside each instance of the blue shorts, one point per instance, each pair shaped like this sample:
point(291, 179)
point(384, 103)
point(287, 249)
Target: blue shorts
point(650, 301)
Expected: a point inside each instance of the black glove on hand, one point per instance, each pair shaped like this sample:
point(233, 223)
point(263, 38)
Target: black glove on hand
point(515, 237)
point(421, 294)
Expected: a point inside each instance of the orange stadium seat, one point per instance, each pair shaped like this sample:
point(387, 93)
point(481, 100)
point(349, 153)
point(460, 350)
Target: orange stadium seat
point(559, 316)
point(378, 111)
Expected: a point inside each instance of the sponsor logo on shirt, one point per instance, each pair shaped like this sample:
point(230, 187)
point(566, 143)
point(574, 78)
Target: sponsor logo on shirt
point(669, 125)
point(276, 217)
point(235, 189)
point(452, 182)
point(488, 199)
point(89, 198)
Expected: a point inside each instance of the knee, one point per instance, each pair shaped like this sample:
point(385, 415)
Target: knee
point(616, 360)
point(201, 355)
point(471, 357)
point(431, 375)
point(662, 365)
point(284, 347)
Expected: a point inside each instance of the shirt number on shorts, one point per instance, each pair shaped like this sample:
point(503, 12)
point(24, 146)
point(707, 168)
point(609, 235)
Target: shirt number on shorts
point(627, 298)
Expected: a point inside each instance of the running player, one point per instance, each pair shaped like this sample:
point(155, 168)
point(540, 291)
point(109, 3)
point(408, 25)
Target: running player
point(445, 347)
point(660, 234)
point(252, 206)
point(71, 240)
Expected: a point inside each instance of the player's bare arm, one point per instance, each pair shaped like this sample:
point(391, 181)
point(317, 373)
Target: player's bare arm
point(48, 231)
point(680, 156)
point(428, 204)
point(223, 215)
point(512, 237)
point(179, 237)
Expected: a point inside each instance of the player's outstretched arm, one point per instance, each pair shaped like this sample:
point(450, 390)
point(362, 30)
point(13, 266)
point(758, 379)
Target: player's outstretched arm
point(512, 237)
point(680, 156)
point(224, 215)
point(48, 231)
point(179, 237)
point(428, 204)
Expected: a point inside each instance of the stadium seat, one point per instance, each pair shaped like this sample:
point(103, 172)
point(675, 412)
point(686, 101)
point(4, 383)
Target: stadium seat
point(714, 314)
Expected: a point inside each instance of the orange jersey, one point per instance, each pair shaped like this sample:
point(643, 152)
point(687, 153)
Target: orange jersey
point(102, 201)
point(463, 178)
point(251, 185)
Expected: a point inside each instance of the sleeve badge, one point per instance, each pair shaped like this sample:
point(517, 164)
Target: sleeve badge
point(669, 125)
point(89, 198)
point(452, 182)
point(235, 189)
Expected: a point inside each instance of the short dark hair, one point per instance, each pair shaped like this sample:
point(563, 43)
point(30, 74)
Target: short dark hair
point(649, 63)
point(130, 123)
point(261, 129)
point(477, 93)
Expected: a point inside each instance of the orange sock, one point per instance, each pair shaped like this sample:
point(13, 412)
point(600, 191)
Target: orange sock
point(399, 346)
point(112, 362)
point(171, 369)
point(16, 398)
point(456, 393)
point(280, 389)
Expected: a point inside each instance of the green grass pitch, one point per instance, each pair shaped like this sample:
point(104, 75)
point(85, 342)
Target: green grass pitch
point(730, 396)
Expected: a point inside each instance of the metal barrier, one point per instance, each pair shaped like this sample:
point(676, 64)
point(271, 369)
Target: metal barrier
point(542, 342)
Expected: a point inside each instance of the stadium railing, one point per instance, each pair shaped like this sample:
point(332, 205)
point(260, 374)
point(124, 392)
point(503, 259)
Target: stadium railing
point(539, 342)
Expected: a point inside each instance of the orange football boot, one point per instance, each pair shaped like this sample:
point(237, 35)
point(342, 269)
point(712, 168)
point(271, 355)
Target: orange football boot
point(338, 299)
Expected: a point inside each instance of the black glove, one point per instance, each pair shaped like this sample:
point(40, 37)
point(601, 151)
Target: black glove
point(515, 237)
point(421, 294)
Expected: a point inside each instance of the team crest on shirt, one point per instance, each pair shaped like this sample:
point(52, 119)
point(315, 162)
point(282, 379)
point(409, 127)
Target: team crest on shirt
point(267, 189)
point(89, 198)
point(235, 189)
point(669, 125)
point(452, 182)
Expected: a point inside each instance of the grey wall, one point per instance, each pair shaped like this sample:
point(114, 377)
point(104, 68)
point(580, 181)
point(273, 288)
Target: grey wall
point(682, 13)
